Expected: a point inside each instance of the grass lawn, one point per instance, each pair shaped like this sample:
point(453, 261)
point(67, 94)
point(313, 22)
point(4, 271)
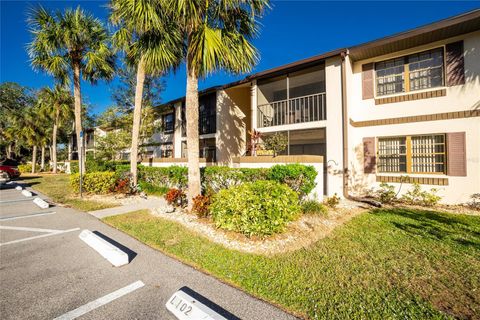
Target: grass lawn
point(57, 187)
point(384, 264)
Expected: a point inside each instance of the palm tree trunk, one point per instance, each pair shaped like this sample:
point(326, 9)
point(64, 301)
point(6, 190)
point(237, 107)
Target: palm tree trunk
point(192, 135)
point(54, 142)
point(34, 158)
point(137, 115)
point(42, 159)
point(78, 112)
point(9, 151)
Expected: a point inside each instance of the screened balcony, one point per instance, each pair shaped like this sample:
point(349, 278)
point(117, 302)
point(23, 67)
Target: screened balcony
point(295, 98)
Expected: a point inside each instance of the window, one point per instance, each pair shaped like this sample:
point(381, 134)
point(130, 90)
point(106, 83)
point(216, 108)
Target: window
point(428, 153)
point(207, 114)
point(390, 76)
point(392, 154)
point(414, 72)
point(166, 150)
point(168, 122)
point(412, 154)
point(426, 69)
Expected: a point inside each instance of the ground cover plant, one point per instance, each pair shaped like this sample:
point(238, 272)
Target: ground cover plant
point(314, 207)
point(384, 264)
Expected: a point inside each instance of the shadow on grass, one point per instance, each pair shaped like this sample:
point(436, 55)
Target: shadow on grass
point(461, 229)
point(28, 178)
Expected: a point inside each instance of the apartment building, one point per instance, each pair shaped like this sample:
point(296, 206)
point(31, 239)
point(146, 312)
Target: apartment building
point(402, 109)
point(414, 109)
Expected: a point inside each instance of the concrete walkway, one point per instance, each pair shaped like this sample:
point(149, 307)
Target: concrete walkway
point(149, 203)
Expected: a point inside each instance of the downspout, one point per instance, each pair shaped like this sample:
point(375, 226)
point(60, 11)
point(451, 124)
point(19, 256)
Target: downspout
point(344, 124)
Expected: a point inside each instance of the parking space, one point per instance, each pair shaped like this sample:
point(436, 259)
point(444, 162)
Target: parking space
point(46, 272)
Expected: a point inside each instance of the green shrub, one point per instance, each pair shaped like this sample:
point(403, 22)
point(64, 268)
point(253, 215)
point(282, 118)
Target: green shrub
point(386, 194)
point(123, 168)
point(299, 177)
point(417, 196)
point(168, 177)
point(27, 168)
point(314, 207)
point(332, 201)
point(217, 178)
point(97, 165)
point(95, 182)
point(276, 143)
point(151, 189)
point(255, 208)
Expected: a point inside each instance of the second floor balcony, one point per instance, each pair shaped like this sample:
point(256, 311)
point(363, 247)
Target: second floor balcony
point(296, 110)
point(293, 98)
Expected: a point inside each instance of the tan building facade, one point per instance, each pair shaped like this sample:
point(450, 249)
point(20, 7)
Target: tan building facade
point(401, 109)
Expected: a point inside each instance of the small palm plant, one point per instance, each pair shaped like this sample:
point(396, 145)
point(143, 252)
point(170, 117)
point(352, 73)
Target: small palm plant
point(30, 131)
point(55, 104)
point(70, 44)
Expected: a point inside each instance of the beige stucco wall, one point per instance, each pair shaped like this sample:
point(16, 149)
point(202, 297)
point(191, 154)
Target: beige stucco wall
point(458, 98)
point(233, 118)
point(334, 157)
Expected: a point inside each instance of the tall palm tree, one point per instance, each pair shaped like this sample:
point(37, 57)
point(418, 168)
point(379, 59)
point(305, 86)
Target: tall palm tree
point(152, 44)
point(56, 104)
point(70, 44)
point(217, 35)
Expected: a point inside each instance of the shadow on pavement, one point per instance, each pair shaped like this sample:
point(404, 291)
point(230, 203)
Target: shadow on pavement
point(131, 254)
point(212, 305)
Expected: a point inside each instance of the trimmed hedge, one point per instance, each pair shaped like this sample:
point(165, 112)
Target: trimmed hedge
point(95, 165)
point(95, 182)
point(217, 178)
point(299, 177)
point(255, 208)
point(168, 177)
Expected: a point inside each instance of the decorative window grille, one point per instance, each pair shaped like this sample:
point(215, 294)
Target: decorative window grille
point(412, 154)
point(392, 154)
point(417, 71)
point(428, 153)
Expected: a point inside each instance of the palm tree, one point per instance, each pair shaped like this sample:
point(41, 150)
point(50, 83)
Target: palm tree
point(30, 131)
point(217, 36)
point(70, 44)
point(152, 44)
point(56, 104)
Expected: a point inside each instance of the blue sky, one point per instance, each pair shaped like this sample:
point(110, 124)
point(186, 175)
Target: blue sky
point(292, 30)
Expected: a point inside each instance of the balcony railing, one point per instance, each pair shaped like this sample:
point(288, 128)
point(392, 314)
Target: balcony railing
point(296, 110)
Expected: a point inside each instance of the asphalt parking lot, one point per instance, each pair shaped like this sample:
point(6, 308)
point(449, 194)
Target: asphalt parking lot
point(47, 272)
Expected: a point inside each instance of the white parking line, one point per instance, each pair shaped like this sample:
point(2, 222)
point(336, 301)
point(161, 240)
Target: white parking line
point(15, 200)
point(56, 232)
point(32, 215)
point(29, 229)
point(100, 301)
